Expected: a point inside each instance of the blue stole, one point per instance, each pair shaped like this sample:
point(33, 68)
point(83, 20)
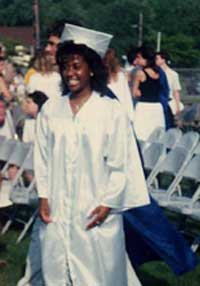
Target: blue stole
point(150, 236)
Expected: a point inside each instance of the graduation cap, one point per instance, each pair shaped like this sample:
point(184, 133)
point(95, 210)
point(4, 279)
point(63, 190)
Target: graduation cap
point(95, 40)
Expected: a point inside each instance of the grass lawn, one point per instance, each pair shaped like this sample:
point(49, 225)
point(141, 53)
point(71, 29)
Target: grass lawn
point(15, 255)
point(151, 274)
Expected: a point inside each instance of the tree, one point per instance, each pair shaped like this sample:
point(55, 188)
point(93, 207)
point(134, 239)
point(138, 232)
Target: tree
point(178, 21)
point(16, 13)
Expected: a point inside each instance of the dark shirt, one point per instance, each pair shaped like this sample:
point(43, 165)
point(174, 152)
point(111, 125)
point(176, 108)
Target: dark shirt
point(150, 89)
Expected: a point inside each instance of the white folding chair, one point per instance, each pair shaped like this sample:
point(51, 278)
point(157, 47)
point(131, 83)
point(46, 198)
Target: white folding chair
point(156, 135)
point(32, 196)
point(152, 157)
point(173, 165)
point(171, 137)
point(197, 149)
point(20, 193)
point(11, 124)
point(189, 141)
point(18, 152)
point(22, 196)
point(185, 201)
point(6, 149)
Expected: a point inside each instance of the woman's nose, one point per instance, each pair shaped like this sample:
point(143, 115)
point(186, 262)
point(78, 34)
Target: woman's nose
point(69, 71)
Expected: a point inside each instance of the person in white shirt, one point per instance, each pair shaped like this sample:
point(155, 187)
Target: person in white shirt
point(33, 104)
point(45, 79)
point(173, 82)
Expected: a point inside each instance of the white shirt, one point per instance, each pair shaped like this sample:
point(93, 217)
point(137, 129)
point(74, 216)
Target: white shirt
point(173, 81)
point(5, 194)
point(49, 83)
point(29, 130)
point(6, 130)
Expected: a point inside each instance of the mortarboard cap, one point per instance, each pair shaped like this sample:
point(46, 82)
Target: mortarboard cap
point(95, 40)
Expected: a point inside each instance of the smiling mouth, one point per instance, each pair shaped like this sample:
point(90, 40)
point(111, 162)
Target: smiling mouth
point(72, 82)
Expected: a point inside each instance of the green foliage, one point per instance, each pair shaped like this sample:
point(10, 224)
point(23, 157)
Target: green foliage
point(177, 20)
point(10, 45)
point(16, 13)
point(182, 50)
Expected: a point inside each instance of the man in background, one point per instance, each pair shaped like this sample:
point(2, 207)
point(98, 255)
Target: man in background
point(172, 78)
point(9, 70)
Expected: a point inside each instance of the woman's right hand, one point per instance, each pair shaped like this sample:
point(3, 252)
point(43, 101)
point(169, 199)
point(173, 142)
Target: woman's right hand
point(44, 210)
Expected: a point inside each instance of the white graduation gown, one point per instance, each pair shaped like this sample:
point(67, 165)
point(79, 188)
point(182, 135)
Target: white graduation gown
point(81, 162)
point(122, 91)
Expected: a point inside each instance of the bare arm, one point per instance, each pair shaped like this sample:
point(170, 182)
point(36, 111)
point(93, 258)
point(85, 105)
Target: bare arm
point(98, 216)
point(44, 210)
point(4, 90)
point(136, 83)
point(176, 95)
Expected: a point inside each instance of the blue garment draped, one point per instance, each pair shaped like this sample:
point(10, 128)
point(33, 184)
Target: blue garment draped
point(150, 236)
point(164, 99)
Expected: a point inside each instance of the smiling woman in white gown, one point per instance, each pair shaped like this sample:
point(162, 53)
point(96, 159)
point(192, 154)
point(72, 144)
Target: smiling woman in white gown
point(88, 170)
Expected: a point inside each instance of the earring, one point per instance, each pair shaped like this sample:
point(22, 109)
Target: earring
point(91, 74)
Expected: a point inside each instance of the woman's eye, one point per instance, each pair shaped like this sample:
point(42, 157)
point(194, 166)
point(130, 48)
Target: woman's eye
point(77, 66)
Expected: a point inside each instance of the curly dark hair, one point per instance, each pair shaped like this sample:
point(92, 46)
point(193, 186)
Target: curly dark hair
point(148, 54)
point(38, 98)
point(164, 55)
point(94, 61)
point(131, 54)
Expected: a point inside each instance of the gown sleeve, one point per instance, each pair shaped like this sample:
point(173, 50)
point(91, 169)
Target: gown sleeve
point(41, 154)
point(126, 186)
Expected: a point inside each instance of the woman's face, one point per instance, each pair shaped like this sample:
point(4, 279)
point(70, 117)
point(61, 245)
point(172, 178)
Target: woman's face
point(31, 108)
point(76, 74)
point(140, 61)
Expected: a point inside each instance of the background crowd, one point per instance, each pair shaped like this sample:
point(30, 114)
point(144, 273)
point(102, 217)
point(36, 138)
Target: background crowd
point(148, 90)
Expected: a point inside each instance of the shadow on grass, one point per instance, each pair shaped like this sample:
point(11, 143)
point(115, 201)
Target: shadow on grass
point(148, 279)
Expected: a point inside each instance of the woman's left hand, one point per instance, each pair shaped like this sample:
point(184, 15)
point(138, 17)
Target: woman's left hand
point(98, 215)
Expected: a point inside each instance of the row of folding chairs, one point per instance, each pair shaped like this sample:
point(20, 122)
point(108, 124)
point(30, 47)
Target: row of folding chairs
point(174, 157)
point(172, 166)
point(22, 191)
